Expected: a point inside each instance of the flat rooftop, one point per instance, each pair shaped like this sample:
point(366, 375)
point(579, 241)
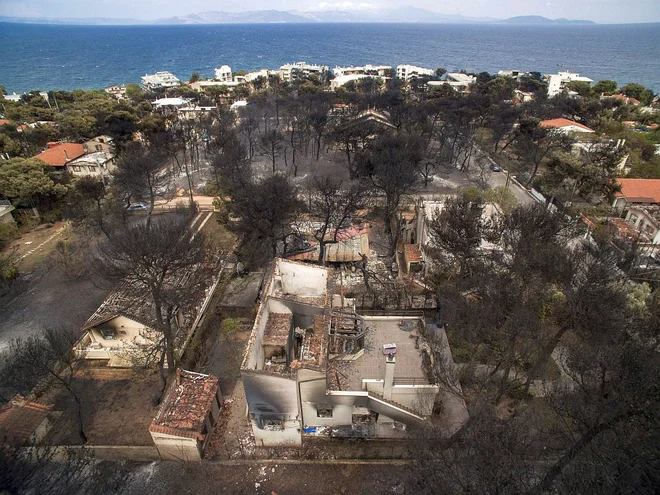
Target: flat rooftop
point(379, 331)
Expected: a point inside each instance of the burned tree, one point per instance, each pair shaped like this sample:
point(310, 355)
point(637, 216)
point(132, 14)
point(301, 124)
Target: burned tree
point(271, 145)
point(266, 211)
point(169, 263)
point(391, 166)
point(50, 356)
point(141, 172)
point(334, 207)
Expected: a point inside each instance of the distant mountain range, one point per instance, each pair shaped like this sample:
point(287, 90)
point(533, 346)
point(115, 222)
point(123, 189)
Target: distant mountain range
point(401, 14)
point(539, 20)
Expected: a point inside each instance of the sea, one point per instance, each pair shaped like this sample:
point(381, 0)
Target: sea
point(67, 57)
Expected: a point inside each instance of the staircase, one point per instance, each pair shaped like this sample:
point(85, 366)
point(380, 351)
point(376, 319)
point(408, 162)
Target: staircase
point(376, 395)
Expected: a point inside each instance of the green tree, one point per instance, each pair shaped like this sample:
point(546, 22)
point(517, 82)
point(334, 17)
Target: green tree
point(639, 92)
point(605, 86)
point(194, 77)
point(134, 92)
point(582, 88)
point(28, 181)
point(503, 197)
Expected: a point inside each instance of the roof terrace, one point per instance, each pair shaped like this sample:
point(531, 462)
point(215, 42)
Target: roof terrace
point(378, 331)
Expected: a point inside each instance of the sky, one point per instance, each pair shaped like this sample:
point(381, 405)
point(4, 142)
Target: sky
point(602, 11)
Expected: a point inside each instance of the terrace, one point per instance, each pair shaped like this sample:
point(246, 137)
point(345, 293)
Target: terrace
point(370, 365)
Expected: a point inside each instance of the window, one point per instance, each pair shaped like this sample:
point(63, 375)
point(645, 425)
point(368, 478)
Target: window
point(92, 169)
point(75, 168)
point(324, 412)
point(99, 147)
point(270, 424)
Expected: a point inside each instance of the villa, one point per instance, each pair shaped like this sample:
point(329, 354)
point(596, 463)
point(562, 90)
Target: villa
point(58, 155)
point(565, 126)
point(290, 72)
point(223, 74)
point(159, 80)
point(408, 72)
point(369, 70)
point(557, 82)
point(314, 366)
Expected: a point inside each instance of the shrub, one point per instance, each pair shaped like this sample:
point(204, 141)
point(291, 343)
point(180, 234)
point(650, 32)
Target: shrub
point(230, 326)
point(8, 232)
point(211, 189)
point(461, 354)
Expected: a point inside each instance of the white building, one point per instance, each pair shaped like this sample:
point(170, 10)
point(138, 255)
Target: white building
point(171, 102)
point(408, 72)
point(418, 229)
point(13, 97)
point(646, 221)
point(98, 164)
point(162, 79)
point(515, 74)
point(223, 74)
point(340, 81)
point(254, 75)
point(556, 82)
point(460, 81)
point(372, 70)
point(289, 72)
point(314, 366)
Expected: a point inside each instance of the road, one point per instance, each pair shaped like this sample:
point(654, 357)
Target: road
point(500, 178)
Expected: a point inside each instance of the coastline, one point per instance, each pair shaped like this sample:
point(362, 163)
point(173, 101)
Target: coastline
point(69, 57)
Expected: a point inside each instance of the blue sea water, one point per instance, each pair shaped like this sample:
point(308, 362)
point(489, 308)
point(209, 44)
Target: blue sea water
point(69, 57)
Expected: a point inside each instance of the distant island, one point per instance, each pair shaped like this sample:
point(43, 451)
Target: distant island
point(540, 20)
point(396, 15)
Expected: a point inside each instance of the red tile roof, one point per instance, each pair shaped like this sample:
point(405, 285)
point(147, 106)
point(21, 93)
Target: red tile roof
point(187, 404)
point(278, 327)
point(60, 155)
point(640, 190)
point(412, 253)
point(561, 122)
point(625, 99)
point(5, 121)
point(20, 418)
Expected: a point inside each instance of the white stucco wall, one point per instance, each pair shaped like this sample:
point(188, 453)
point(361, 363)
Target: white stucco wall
point(419, 398)
point(133, 332)
point(173, 448)
point(301, 279)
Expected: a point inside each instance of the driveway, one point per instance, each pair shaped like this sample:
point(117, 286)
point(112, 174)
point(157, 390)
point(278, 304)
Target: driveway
point(52, 300)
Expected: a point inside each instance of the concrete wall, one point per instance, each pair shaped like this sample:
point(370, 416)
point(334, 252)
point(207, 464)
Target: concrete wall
point(303, 314)
point(173, 448)
point(290, 434)
point(312, 386)
point(302, 279)
point(272, 397)
point(419, 398)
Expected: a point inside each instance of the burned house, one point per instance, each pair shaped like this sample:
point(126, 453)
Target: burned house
point(313, 366)
point(185, 421)
point(125, 328)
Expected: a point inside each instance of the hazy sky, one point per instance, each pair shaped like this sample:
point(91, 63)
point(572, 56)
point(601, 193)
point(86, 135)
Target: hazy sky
point(605, 11)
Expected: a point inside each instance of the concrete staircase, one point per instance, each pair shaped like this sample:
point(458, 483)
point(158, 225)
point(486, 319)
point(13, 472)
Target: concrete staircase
point(390, 402)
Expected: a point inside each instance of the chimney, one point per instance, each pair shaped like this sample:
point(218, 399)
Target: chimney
point(52, 144)
point(390, 362)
